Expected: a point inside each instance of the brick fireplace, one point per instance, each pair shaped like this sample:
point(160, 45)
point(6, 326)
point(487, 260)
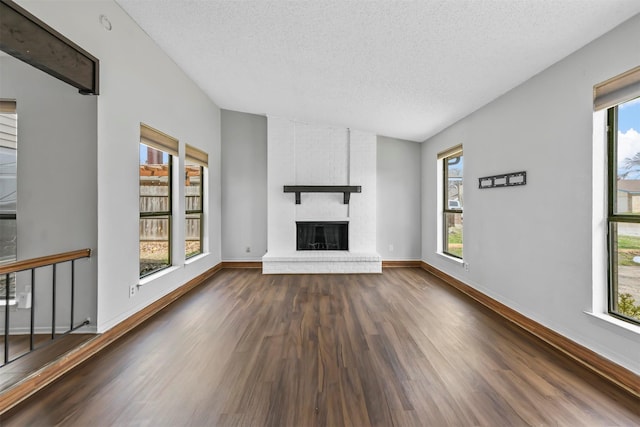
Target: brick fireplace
point(301, 154)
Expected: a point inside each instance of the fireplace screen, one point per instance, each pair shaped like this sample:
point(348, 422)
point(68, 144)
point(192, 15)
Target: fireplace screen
point(322, 236)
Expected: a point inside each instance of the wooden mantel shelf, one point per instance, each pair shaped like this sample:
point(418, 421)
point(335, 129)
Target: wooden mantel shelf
point(346, 190)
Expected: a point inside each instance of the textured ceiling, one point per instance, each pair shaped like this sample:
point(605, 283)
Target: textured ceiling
point(405, 69)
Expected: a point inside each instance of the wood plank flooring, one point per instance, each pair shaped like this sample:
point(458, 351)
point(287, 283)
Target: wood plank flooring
point(396, 349)
point(45, 351)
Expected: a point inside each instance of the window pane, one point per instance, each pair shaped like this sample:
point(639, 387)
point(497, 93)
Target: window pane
point(154, 244)
point(12, 287)
point(8, 187)
point(154, 180)
point(453, 234)
point(8, 199)
point(193, 241)
point(193, 189)
point(625, 296)
point(155, 209)
point(628, 158)
point(8, 238)
point(454, 182)
point(193, 202)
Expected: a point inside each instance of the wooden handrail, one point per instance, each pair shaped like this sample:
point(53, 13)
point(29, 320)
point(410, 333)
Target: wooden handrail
point(44, 260)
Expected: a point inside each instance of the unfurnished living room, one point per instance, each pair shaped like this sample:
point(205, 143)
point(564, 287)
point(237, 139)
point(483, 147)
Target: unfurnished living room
point(327, 213)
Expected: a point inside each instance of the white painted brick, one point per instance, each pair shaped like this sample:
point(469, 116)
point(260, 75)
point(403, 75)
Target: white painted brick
point(306, 154)
point(321, 262)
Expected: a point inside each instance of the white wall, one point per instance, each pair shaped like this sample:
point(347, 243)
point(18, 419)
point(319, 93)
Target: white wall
point(138, 83)
point(530, 247)
point(57, 188)
point(244, 186)
point(398, 218)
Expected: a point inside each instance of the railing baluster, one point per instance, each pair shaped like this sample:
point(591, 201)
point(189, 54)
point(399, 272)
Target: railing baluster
point(53, 305)
point(33, 264)
point(33, 307)
point(6, 318)
point(73, 264)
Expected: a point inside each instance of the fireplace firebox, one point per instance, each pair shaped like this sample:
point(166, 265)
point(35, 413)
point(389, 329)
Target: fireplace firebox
point(322, 236)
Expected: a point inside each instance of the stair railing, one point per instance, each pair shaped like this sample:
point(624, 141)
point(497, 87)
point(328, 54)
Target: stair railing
point(32, 264)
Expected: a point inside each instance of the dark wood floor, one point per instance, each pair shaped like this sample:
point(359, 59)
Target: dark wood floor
point(399, 348)
point(23, 363)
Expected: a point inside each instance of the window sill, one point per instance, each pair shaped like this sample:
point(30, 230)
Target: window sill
point(195, 258)
point(451, 258)
point(150, 278)
point(635, 329)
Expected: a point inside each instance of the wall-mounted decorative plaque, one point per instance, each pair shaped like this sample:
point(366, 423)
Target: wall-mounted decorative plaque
point(503, 180)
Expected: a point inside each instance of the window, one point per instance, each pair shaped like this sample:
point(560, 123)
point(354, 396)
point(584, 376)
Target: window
point(8, 193)
point(156, 153)
point(621, 97)
point(624, 209)
point(195, 162)
point(453, 201)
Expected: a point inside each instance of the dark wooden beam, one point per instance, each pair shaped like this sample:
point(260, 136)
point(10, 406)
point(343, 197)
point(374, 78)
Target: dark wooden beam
point(27, 38)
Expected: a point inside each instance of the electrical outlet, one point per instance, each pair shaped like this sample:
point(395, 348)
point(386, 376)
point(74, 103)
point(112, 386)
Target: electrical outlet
point(248, 249)
point(24, 300)
point(466, 266)
point(133, 289)
point(391, 248)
